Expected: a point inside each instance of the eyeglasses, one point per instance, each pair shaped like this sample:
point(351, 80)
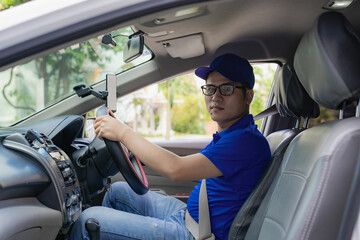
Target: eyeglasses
point(225, 89)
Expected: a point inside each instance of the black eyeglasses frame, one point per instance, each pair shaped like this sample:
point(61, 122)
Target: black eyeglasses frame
point(218, 87)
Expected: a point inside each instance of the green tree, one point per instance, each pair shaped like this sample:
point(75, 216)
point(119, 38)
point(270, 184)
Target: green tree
point(59, 72)
point(189, 110)
point(21, 94)
point(5, 4)
point(187, 115)
point(64, 69)
point(262, 90)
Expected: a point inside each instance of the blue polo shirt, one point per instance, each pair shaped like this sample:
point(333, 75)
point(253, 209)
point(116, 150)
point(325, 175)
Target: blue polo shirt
point(241, 153)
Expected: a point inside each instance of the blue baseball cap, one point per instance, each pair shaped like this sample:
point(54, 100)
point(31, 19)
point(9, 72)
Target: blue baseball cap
point(231, 66)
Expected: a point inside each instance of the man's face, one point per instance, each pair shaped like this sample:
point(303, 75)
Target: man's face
point(226, 110)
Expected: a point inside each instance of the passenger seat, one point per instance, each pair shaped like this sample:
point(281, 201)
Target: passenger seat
point(315, 182)
point(286, 86)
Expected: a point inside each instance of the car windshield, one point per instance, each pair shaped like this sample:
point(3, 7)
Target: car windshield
point(46, 80)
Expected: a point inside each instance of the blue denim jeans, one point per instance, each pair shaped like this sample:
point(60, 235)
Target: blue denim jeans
point(126, 215)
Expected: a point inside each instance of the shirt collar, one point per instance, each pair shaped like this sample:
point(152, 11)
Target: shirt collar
point(244, 122)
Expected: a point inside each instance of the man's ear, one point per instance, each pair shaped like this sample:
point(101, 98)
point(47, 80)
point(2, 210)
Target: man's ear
point(249, 96)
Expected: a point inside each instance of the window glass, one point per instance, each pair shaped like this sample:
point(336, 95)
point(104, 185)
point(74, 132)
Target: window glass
point(332, 114)
point(264, 76)
point(35, 85)
point(147, 110)
point(325, 115)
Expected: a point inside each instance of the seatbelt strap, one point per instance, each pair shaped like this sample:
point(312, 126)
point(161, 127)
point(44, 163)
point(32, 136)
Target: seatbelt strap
point(266, 113)
point(191, 225)
point(201, 230)
point(204, 215)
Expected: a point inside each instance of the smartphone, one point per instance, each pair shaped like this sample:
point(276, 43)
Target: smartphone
point(111, 89)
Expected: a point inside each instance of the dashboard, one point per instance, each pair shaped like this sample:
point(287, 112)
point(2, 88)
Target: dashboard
point(40, 193)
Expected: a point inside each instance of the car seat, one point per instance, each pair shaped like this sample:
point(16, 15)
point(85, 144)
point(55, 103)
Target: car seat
point(310, 192)
point(286, 86)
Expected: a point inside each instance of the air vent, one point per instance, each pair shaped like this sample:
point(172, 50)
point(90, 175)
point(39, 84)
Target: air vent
point(27, 138)
point(32, 135)
point(46, 139)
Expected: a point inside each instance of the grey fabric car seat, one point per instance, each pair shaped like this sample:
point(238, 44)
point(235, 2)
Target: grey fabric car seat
point(286, 86)
point(309, 194)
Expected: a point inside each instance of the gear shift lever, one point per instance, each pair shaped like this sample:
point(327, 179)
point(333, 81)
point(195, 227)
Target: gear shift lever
point(92, 226)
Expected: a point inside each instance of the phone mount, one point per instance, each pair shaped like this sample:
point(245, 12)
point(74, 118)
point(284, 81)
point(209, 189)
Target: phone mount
point(83, 91)
point(109, 95)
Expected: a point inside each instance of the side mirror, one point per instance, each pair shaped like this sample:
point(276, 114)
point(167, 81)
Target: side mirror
point(134, 48)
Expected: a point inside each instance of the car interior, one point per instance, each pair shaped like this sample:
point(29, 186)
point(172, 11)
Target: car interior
point(50, 171)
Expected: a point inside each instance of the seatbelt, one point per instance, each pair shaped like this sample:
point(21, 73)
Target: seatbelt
point(266, 113)
point(201, 230)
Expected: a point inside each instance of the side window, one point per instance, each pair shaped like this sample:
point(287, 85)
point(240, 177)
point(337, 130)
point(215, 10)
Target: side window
point(332, 114)
point(325, 115)
point(264, 76)
point(176, 108)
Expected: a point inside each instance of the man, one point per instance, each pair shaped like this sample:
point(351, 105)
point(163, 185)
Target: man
point(232, 164)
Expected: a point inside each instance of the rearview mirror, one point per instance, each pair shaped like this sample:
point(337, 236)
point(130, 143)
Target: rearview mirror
point(134, 48)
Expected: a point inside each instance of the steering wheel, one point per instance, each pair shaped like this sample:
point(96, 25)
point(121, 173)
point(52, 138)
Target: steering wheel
point(127, 163)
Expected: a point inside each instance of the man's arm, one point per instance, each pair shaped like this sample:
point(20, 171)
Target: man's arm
point(166, 163)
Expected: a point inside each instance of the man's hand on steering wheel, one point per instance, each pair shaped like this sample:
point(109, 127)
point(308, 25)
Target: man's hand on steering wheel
point(111, 130)
point(104, 126)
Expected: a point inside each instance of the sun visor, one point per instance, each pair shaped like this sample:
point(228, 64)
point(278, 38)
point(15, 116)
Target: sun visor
point(185, 47)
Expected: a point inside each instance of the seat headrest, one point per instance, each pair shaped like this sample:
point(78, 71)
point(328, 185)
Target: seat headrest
point(327, 61)
point(291, 99)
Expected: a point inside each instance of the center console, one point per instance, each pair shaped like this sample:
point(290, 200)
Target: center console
point(65, 172)
point(63, 191)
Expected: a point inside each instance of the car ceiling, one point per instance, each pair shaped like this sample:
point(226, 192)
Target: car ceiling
point(258, 30)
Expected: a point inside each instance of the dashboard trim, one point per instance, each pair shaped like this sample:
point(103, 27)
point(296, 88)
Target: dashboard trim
point(33, 153)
